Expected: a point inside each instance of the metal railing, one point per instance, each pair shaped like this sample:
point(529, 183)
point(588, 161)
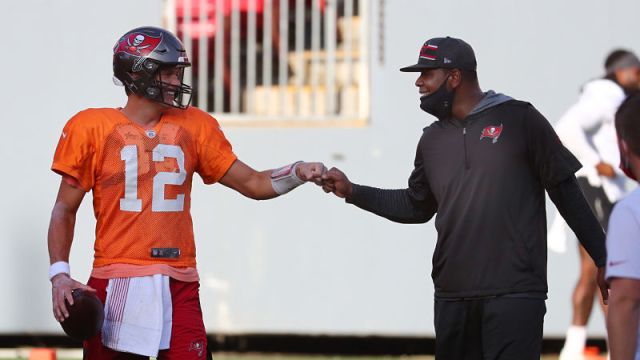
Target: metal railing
point(297, 62)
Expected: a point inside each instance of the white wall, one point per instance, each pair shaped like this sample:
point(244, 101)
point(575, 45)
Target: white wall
point(304, 263)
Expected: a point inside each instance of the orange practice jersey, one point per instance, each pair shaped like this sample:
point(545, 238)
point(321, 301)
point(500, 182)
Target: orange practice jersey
point(141, 180)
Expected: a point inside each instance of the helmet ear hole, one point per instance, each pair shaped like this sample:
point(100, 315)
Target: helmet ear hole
point(150, 67)
point(153, 91)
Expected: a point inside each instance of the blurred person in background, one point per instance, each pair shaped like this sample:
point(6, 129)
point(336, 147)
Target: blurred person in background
point(587, 129)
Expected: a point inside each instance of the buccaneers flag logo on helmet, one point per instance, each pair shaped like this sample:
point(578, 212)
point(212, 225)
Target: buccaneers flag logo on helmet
point(492, 132)
point(138, 44)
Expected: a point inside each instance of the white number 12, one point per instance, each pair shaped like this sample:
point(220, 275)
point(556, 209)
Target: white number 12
point(130, 202)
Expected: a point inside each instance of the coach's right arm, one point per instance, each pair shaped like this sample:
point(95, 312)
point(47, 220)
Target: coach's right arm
point(413, 205)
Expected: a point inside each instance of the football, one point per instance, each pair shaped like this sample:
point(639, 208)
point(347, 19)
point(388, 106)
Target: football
point(85, 316)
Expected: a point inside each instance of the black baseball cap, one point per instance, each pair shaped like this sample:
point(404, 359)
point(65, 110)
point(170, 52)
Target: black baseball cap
point(444, 52)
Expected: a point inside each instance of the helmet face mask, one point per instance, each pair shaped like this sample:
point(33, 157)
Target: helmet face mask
point(142, 55)
point(173, 93)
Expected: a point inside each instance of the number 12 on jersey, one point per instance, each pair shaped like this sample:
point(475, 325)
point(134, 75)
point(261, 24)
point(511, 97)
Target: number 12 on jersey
point(131, 202)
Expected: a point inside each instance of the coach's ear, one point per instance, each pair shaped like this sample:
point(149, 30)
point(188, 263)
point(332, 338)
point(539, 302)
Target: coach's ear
point(455, 78)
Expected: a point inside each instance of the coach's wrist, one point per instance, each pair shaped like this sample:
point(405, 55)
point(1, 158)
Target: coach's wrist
point(351, 192)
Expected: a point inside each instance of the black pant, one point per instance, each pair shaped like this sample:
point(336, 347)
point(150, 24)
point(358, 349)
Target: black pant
point(598, 201)
point(499, 328)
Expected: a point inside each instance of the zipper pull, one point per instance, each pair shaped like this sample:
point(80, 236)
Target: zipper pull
point(464, 131)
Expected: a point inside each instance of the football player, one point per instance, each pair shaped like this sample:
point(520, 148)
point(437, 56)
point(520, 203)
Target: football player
point(139, 162)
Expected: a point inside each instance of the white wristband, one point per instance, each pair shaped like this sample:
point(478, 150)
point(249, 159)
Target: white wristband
point(58, 268)
point(285, 179)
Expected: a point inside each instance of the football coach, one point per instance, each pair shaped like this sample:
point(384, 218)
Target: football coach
point(482, 169)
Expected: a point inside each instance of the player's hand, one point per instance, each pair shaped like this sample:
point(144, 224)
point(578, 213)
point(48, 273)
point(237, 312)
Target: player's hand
point(61, 287)
point(336, 181)
point(311, 171)
point(605, 169)
point(602, 284)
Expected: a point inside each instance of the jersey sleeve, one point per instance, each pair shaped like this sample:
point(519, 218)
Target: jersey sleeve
point(75, 154)
point(215, 153)
point(623, 244)
point(551, 161)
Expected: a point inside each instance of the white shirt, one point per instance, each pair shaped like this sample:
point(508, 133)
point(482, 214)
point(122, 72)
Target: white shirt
point(623, 242)
point(587, 129)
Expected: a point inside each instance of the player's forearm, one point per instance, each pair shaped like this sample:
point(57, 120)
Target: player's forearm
point(262, 185)
point(60, 234)
point(395, 205)
point(258, 186)
point(622, 326)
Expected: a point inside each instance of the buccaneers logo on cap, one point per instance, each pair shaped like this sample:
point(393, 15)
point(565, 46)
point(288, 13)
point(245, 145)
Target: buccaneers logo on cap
point(137, 44)
point(428, 51)
point(492, 132)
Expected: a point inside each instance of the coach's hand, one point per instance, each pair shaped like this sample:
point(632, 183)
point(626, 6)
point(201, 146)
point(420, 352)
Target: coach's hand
point(61, 287)
point(602, 284)
point(336, 181)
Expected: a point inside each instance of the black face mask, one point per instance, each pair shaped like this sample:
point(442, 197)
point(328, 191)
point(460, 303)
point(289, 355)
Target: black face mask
point(438, 103)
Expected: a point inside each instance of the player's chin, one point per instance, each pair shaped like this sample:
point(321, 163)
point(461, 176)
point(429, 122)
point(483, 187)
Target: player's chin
point(168, 97)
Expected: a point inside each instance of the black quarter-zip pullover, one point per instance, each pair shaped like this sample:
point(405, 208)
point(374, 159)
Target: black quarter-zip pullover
point(485, 177)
